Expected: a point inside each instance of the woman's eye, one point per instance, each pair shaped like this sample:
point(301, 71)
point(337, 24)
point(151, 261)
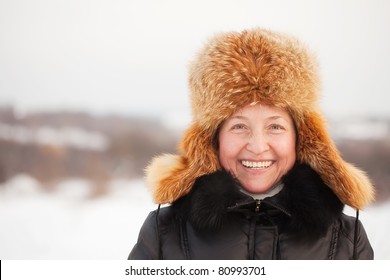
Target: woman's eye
point(276, 127)
point(238, 127)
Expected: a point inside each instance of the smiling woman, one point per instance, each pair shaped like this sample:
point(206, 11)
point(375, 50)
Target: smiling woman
point(258, 176)
point(257, 145)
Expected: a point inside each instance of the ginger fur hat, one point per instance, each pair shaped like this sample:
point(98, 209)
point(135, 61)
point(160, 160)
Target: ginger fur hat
point(235, 69)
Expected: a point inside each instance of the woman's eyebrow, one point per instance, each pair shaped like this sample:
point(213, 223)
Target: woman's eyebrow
point(275, 117)
point(239, 117)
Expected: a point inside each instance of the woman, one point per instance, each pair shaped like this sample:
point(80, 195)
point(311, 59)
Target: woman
point(258, 176)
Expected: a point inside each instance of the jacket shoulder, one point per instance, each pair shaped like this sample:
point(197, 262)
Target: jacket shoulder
point(349, 226)
point(146, 247)
point(148, 243)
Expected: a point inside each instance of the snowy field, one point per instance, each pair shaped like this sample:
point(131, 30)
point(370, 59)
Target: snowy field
point(66, 224)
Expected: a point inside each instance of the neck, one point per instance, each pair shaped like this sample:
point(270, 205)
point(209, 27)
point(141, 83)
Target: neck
point(271, 192)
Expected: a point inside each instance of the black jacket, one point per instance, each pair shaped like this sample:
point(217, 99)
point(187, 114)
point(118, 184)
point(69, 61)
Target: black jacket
point(218, 221)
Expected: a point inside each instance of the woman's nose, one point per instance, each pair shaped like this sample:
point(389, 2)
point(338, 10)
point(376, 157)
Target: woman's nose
point(257, 143)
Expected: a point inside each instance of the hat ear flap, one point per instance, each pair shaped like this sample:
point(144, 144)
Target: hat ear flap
point(199, 145)
point(316, 148)
point(164, 177)
point(172, 176)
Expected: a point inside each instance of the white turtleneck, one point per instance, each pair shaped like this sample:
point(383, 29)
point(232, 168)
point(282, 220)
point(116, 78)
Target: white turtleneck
point(274, 190)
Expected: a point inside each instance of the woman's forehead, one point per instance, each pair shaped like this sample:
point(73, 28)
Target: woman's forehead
point(260, 108)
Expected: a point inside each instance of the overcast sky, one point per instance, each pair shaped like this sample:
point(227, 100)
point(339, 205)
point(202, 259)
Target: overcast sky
point(131, 56)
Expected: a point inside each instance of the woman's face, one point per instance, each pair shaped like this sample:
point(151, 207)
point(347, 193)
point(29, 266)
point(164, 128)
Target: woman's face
point(257, 145)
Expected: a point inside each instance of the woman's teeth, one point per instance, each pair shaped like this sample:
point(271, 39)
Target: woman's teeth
point(256, 164)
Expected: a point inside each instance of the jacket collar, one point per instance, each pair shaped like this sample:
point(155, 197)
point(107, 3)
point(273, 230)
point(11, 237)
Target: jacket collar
point(306, 204)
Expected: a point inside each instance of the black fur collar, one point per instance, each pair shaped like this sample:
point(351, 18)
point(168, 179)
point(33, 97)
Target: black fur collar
point(307, 206)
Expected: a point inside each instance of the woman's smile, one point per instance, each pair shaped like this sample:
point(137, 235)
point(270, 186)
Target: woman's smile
point(256, 164)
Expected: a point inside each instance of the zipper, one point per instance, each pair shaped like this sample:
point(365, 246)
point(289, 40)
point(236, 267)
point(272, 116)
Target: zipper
point(257, 204)
point(257, 207)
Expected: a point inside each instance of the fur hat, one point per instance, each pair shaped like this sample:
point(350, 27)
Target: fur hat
point(234, 70)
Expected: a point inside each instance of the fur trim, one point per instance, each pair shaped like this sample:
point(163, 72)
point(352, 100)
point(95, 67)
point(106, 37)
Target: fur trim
point(206, 204)
point(311, 207)
point(237, 69)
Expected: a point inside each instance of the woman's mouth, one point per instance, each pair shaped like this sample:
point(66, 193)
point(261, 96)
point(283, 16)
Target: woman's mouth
point(256, 164)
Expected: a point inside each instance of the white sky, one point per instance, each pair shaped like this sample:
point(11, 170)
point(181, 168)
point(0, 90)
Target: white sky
point(131, 56)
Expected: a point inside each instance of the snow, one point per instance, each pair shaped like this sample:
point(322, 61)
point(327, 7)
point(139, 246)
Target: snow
point(67, 224)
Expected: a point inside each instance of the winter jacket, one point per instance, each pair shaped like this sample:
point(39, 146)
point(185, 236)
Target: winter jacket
point(216, 220)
